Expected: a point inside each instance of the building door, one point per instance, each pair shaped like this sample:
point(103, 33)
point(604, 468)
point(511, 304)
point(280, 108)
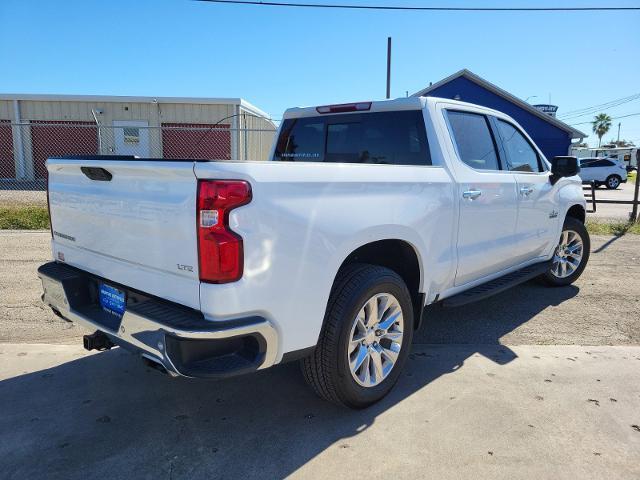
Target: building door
point(131, 137)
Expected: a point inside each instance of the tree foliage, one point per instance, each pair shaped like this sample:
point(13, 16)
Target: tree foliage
point(601, 124)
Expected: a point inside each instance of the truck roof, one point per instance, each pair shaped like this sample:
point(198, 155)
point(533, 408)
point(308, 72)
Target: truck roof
point(408, 103)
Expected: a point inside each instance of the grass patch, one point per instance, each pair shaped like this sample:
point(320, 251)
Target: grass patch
point(24, 218)
point(613, 228)
point(15, 217)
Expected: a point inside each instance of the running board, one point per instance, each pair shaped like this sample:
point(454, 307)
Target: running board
point(497, 285)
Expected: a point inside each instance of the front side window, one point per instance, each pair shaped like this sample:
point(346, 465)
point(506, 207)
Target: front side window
point(396, 138)
point(586, 163)
point(473, 139)
point(521, 156)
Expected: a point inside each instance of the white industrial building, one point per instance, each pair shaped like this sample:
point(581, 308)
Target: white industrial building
point(35, 127)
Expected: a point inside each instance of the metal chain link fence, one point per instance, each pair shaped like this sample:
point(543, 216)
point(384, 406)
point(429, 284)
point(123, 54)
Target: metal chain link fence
point(25, 147)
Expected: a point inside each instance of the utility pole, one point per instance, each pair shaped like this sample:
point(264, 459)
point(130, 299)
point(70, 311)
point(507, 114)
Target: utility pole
point(619, 123)
point(634, 217)
point(388, 67)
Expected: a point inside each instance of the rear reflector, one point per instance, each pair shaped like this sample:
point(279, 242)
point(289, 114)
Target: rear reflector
point(220, 250)
point(344, 107)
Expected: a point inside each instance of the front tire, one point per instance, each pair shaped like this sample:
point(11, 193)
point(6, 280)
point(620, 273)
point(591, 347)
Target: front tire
point(613, 182)
point(365, 339)
point(571, 255)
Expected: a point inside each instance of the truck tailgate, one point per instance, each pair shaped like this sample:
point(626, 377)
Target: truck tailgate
point(129, 221)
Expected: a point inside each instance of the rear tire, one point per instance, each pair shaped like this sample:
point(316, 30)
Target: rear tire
point(571, 255)
point(613, 182)
point(362, 321)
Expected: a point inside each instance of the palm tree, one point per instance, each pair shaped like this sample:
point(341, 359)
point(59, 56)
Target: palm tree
point(601, 125)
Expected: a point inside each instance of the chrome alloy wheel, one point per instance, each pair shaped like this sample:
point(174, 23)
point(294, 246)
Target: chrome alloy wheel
point(568, 254)
point(375, 340)
point(613, 182)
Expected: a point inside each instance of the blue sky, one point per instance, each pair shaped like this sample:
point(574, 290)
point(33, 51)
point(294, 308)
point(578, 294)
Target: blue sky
point(279, 57)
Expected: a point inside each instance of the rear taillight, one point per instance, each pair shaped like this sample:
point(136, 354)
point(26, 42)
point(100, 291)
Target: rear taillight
point(220, 251)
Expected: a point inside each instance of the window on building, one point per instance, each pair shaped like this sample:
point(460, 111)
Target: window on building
point(131, 134)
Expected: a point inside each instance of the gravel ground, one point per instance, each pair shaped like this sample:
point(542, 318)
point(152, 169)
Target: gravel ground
point(602, 308)
point(22, 197)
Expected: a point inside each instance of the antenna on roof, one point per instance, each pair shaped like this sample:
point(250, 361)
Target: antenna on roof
point(388, 67)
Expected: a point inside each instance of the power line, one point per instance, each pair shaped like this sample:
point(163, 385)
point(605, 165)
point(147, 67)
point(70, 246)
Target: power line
point(597, 108)
point(612, 118)
point(570, 112)
point(414, 8)
point(611, 104)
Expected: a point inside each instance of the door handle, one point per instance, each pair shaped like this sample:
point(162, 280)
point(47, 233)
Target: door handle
point(471, 194)
point(526, 191)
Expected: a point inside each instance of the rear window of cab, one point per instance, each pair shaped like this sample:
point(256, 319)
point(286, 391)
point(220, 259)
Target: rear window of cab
point(395, 138)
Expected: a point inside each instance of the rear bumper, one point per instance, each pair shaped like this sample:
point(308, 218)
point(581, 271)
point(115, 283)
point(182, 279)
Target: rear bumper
point(179, 339)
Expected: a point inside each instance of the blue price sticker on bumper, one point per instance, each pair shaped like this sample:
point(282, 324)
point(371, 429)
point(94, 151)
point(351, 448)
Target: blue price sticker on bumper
point(112, 300)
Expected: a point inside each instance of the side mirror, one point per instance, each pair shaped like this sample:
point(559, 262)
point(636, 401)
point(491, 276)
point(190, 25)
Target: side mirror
point(563, 167)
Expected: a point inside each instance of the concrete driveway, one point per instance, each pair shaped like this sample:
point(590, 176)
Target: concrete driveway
point(504, 413)
point(504, 388)
point(611, 210)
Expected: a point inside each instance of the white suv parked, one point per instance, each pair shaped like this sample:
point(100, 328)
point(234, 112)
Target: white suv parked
point(603, 171)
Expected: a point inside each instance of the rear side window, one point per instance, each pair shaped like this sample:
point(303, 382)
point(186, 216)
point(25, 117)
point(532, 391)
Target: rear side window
point(396, 138)
point(520, 154)
point(474, 140)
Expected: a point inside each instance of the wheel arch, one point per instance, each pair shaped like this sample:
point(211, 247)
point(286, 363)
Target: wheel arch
point(397, 255)
point(578, 212)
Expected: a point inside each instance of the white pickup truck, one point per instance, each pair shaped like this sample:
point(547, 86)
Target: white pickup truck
point(326, 254)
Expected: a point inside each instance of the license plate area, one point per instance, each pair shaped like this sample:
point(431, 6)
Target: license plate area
point(112, 300)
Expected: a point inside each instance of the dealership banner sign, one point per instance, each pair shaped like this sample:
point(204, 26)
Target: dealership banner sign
point(548, 109)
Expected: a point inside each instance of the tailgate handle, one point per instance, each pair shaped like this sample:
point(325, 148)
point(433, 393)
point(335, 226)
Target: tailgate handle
point(97, 173)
